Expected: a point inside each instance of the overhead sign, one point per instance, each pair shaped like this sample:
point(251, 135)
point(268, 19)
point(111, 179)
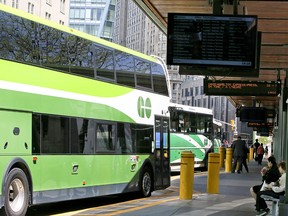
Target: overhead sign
point(241, 88)
point(212, 40)
point(259, 124)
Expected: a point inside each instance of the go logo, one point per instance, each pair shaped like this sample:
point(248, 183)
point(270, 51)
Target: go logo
point(144, 108)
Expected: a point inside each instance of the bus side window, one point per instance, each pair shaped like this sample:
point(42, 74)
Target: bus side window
point(105, 137)
point(36, 134)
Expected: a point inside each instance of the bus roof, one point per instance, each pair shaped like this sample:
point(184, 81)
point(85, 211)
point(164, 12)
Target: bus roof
point(216, 122)
point(191, 108)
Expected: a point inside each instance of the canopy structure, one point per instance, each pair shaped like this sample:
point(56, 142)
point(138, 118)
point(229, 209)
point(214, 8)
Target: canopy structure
point(272, 22)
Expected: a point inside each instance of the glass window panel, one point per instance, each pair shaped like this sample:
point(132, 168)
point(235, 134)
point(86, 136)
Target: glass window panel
point(105, 137)
point(80, 56)
point(36, 134)
point(143, 73)
point(124, 139)
point(104, 63)
point(82, 136)
point(124, 66)
point(143, 138)
point(53, 48)
point(159, 79)
point(19, 39)
point(54, 135)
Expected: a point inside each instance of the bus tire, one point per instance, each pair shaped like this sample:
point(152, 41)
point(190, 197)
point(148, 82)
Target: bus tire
point(16, 193)
point(146, 182)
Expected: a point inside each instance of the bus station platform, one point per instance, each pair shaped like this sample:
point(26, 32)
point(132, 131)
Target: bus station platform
point(233, 199)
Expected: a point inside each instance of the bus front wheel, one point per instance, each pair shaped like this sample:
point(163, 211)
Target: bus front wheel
point(16, 193)
point(146, 183)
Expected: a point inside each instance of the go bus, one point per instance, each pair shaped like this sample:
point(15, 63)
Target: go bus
point(192, 129)
point(80, 117)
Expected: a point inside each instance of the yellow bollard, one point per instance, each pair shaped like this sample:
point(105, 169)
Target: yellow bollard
point(186, 175)
point(251, 151)
point(222, 155)
point(228, 162)
point(213, 173)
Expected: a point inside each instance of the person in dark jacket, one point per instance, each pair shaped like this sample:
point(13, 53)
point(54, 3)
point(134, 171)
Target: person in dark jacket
point(269, 174)
point(256, 145)
point(239, 153)
point(245, 160)
point(276, 189)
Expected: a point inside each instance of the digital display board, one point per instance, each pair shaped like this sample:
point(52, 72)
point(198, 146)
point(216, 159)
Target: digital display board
point(212, 40)
point(241, 88)
point(257, 124)
point(253, 114)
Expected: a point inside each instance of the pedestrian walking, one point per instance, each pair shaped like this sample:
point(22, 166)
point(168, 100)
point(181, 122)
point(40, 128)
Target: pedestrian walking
point(245, 160)
point(260, 153)
point(239, 152)
point(256, 145)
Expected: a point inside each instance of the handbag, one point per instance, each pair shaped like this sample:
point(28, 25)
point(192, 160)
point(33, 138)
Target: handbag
point(266, 186)
point(256, 158)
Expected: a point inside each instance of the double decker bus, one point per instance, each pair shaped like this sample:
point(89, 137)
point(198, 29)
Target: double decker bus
point(191, 129)
point(80, 116)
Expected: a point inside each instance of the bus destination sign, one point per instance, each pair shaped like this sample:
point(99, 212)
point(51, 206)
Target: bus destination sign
point(241, 88)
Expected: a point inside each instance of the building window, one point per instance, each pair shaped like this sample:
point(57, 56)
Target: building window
point(174, 86)
point(30, 8)
point(196, 91)
point(192, 101)
point(191, 92)
point(47, 16)
point(186, 92)
point(15, 3)
point(62, 6)
point(205, 102)
point(61, 22)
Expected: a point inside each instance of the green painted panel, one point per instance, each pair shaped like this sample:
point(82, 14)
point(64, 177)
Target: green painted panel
point(217, 145)
point(181, 142)
point(15, 133)
point(56, 171)
point(59, 106)
point(36, 76)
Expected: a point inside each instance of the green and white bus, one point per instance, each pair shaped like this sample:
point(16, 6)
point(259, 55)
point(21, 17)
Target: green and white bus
point(191, 129)
point(80, 116)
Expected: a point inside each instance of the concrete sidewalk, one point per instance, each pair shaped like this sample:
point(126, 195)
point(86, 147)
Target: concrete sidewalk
point(234, 197)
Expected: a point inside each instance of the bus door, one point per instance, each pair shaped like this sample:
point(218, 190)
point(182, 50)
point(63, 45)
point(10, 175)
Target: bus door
point(162, 153)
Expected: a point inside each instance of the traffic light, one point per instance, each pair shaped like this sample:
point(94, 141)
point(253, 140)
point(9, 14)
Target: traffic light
point(232, 124)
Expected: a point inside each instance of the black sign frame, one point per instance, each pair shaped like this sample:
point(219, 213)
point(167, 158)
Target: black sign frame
point(212, 40)
point(242, 88)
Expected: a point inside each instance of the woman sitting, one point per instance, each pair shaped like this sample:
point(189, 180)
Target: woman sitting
point(270, 174)
point(275, 190)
